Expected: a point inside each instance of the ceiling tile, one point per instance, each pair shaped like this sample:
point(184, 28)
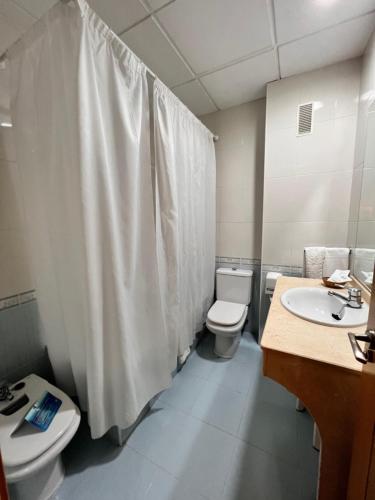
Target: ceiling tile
point(15, 15)
point(296, 18)
point(8, 34)
point(14, 21)
point(195, 98)
point(150, 45)
point(330, 46)
point(242, 82)
point(36, 7)
point(119, 14)
point(156, 4)
point(211, 33)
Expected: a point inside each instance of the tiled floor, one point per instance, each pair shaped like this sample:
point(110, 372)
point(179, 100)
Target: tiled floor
point(221, 432)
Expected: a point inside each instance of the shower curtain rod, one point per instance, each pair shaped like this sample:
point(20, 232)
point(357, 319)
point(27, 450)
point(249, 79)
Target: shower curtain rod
point(4, 56)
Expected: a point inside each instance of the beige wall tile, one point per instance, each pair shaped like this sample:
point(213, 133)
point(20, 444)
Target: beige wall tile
point(239, 239)
point(235, 166)
point(308, 198)
point(309, 179)
point(369, 148)
point(7, 148)
point(352, 234)
point(281, 153)
point(317, 234)
point(217, 239)
point(355, 195)
point(239, 180)
point(366, 234)
point(11, 210)
point(277, 243)
point(14, 263)
point(367, 201)
point(235, 204)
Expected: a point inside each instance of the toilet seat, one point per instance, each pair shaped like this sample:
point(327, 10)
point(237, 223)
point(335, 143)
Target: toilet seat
point(22, 446)
point(23, 471)
point(227, 331)
point(226, 313)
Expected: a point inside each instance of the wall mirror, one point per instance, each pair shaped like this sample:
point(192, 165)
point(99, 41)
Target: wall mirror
point(363, 226)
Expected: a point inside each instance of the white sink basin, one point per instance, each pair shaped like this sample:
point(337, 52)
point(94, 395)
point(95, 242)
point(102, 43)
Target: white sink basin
point(314, 304)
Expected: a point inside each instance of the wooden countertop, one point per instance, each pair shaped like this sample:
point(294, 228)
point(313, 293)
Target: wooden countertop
point(290, 334)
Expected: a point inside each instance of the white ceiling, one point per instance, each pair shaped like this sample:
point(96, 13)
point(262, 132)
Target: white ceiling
point(218, 53)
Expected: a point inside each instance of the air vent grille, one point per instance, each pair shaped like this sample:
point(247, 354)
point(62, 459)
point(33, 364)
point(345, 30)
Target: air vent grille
point(305, 112)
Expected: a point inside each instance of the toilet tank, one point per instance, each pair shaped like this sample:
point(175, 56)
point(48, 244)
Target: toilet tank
point(234, 285)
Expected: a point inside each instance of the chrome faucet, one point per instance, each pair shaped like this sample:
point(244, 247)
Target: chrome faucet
point(353, 300)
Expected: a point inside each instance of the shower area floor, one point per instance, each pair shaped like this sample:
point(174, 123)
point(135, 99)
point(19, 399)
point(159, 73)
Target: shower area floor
point(222, 431)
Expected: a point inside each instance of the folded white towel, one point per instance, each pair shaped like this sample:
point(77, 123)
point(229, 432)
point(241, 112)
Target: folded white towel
point(335, 258)
point(313, 262)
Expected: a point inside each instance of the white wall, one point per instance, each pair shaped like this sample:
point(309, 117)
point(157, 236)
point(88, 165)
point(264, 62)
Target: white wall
point(308, 179)
point(14, 271)
point(240, 158)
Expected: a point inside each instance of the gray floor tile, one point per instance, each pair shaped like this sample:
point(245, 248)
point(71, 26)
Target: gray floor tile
point(197, 454)
point(166, 487)
point(129, 477)
point(208, 461)
point(221, 432)
point(198, 366)
point(256, 475)
point(272, 428)
point(308, 484)
point(220, 407)
point(238, 377)
point(308, 456)
point(249, 351)
point(184, 391)
point(275, 393)
point(165, 436)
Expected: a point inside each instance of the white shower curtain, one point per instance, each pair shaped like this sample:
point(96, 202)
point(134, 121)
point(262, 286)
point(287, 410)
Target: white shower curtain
point(186, 218)
point(81, 115)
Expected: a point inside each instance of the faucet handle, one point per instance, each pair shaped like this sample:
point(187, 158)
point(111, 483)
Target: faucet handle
point(355, 295)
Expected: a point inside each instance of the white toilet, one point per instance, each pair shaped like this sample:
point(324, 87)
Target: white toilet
point(227, 316)
point(32, 461)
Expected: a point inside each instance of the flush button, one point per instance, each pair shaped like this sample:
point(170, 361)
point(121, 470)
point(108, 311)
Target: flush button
point(18, 386)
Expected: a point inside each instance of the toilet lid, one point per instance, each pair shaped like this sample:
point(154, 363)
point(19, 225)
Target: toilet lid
point(226, 313)
point(23, 443)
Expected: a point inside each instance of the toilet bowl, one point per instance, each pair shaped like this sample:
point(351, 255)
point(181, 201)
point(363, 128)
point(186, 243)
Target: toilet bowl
point(226, 320)
point(228, 314)
point(32, 458)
